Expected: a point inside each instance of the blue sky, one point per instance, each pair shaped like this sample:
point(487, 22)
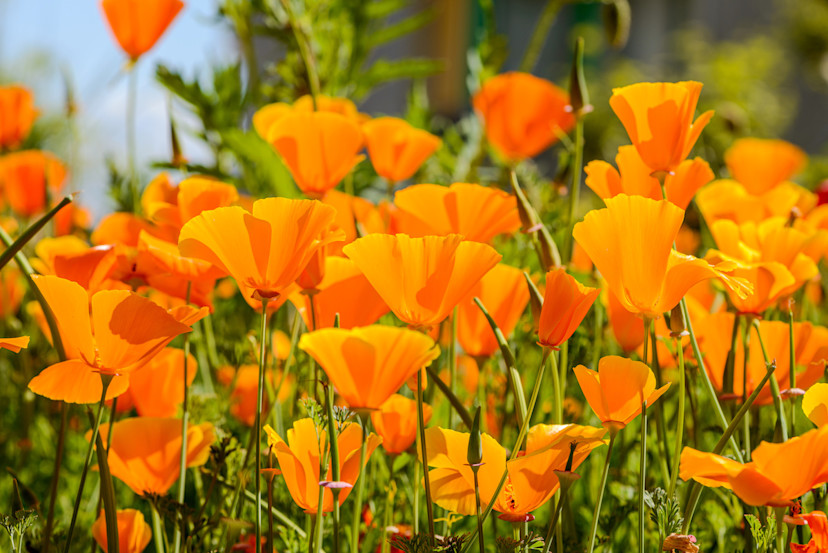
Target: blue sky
point(40, 39)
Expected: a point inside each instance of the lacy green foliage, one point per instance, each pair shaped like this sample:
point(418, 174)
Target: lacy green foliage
point(423, 543)
point(763, 536)
point(531, 541)
point(19, 520)
point(664, 511)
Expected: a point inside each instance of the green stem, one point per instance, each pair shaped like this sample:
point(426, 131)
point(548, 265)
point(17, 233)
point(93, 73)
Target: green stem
point(157, 529)
point(792, 370)
point(574, 194)
point(553, 523)
point(304, 51)
point(108, 494)
point(335, 473)
point(452, 352)
point(594, 528)
point(661, 429)
point(477, 510)
point(538, 39)
point(132, 101)
point(53, 487)
point(258, 429)
point(679, 420)
point(557, 392)
point(424, 453)
point(360, 486)
point(453, 399)
point(185, 421)
point(642, 473)
point(777, 398)
point(30, 232)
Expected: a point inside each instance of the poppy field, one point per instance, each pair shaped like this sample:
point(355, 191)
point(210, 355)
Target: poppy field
point(570, 318)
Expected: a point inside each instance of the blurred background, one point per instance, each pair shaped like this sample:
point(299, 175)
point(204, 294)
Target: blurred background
point(764, 64)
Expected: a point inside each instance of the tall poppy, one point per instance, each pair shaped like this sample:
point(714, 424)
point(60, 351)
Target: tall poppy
point(134, 534)
point(565, 304)
point(421, 279)
point(396, 148)
point(504, 294)
point(631, 244)
point(634, 179)
point(28, 177)
point(17, 114)
point(318, 148)
point(396, 422)
point(264, 251)
point(619, 387)
point(145, 452)
point(368, 364)
point(299, 460)
point(477, 212)
point(113, 332)
point(658, 117)
point(522, 114)
point(770, 478)
point(138, 24)
point(760, 164)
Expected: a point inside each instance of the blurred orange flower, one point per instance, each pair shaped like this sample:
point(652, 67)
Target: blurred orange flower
point(565, 304)
point(28, 177)
point(504, 293)
point(760, 164)
point(172, 206)
point(14, 345)
point(818, 524)
point(138, 24)
point(631, 244)
point(356, 217)
point(815, 404)
point(158, 388)
point(113, 332)
point(12, 291)
point(421, 279)
point(318, 148)
point(267, 115)
point(367, 365)
point(728, 199)
point(523, 114)
point(396, 148)
point(619, 387)
point(263, 251)
point(775, 476)
point(658, 117)
point(17, 114)
point(134, 534)
point(476, 212)
point(145, 453)
point(396, 422)
point(299, 461)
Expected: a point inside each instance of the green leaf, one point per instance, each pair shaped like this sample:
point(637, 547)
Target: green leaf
point(399, 29)
point(383, 71)
point(267, 170)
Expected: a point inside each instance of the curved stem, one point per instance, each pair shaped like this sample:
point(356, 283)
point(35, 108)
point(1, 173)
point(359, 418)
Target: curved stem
point(424, 453)
point(594, 528)
point(185, 420)
point(777, 398)
point(258, 429)
point(679, 420)
point(574, 194)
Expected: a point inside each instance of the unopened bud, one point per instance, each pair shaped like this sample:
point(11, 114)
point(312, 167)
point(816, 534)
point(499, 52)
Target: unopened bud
point(474, 454)
point(548, 250)
point(535, 301)
point(578, 94)
point(677, 326)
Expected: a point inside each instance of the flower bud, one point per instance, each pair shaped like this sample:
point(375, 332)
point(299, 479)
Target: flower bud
point(474, 454)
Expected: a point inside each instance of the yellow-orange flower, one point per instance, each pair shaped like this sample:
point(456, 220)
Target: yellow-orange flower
point(25, 177)
point(172, 206)
point(523, 114)
point(396, 422)
point(658, 117)
point(138, 24)
point(633, 177)
point(368, 364)
point(267, 115)
point(17, 114)
point(728, 199)
point(158, 388)
point(14, 345)
point(113, 332)
point(476, 212)
point(631, 244)
point(134, 534)
point(504, 293)
point(264, 251)
point(356, 217)
point(815, 404)
point(619, 387)
point(421, 279)
point(759, 165)
point(396, 148)
point(299, 461)
point(145, 453)
point(318, 148)
point(775, 476)
point(565, 304)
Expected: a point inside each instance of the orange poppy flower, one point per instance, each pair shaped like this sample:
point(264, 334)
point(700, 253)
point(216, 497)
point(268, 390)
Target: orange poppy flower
point(14, 345)
point(817, 523)
point(815, 404)
point(505, 295)
point(343, 290)
point(119, 334)
point(12, 291)
point(267, 115)
point(368, 364)
point(299, 461)
point(421, 279)
point(633, 178)
point(619, 387)
point(158, 389)
point(318, 148)
point(356, 217)
point(134, 534)
point(658, 117)
point(396, 422)
point(172, 206)
point(523, 114)
point(17, 114)
point(728, 199)
point(565, 304)
point(396, 148)
point(138, 24)
point(145, 453)
point(631, 244)
point(245, 382)
point(768, 479)
point(811, 349)
point(25, 177)
point(627, 327)
point(760, 164)
point(479, 213)
point(263, 251)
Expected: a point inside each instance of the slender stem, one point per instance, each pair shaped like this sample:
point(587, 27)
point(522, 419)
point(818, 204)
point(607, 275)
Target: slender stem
point(477, 510)
point(661, 429)
point(416, 502)
point(105, 380)
point(746, 425)
point(132, 101)
point(792, 369)
point(53, 487)
point(594, 528)
point(557, 392)
point(185, 421)
point(335, 472)
point(777, 398)
point(538, 39)
point(453, 399)
point(360, 486)
point(642, 473)
point(258, 429)
point(553, 523)
point(30, 232)
point(679, 420)
point(452, 352)
point(574, 194)
point(424, 453)
point(304, 51)
point(157, 529)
